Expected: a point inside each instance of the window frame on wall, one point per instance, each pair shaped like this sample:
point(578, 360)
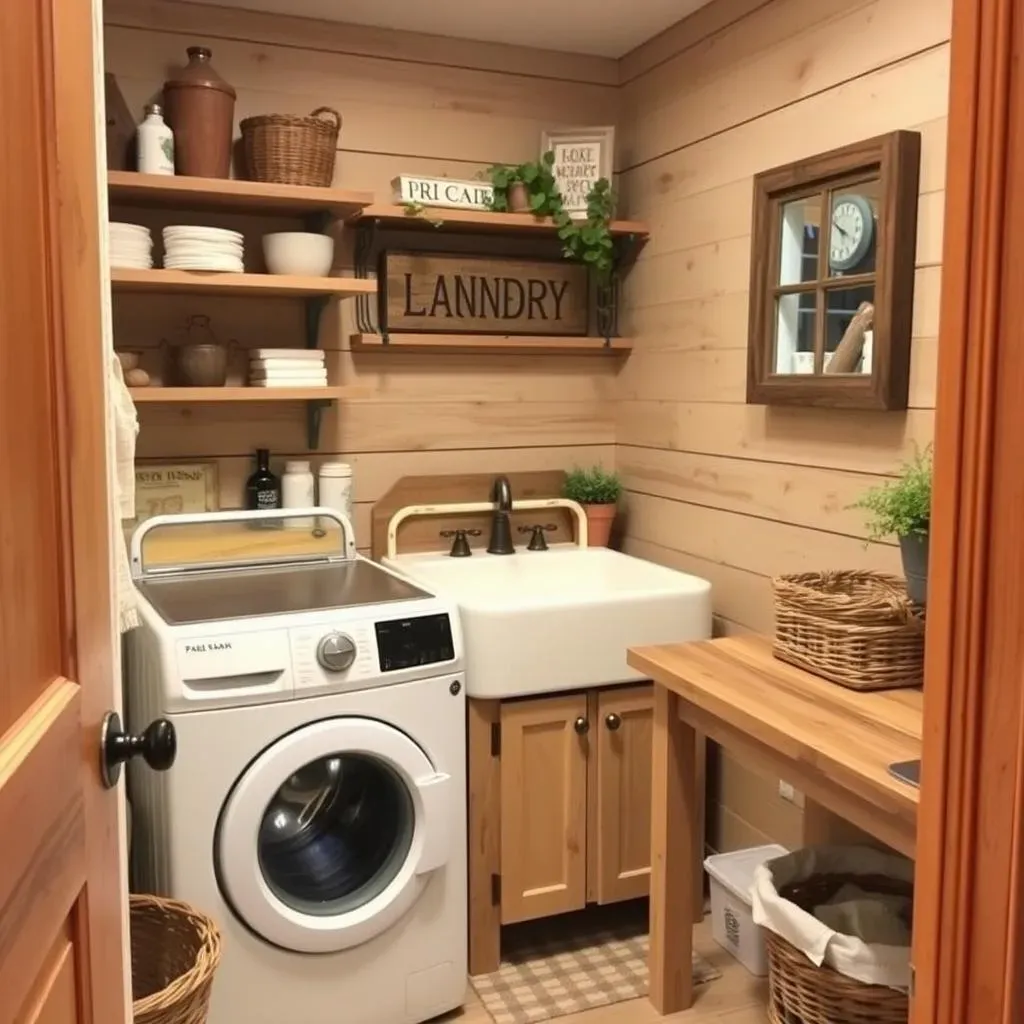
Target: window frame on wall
point(891, 163)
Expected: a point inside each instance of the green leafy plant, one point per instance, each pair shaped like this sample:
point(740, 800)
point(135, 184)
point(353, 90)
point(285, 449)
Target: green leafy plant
point(414, 209)
point(901, 507)
point(588, 239)
point(593, 486)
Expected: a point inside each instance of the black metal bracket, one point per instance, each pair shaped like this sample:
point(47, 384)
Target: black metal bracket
point(314, 309)
point(365, 250)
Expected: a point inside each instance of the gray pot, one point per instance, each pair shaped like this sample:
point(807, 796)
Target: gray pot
point(201, 366)
point(914, 549)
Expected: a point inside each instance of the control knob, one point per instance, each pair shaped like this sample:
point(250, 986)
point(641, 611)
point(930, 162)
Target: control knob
point(336, 652)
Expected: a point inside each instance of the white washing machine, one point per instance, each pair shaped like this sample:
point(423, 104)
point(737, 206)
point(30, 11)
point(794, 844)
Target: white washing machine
point(317, 805)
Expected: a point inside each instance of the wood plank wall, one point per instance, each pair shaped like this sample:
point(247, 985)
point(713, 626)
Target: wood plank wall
point(732, 492)
point(410, 103)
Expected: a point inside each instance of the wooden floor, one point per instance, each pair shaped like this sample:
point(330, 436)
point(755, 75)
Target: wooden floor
point(734, 998)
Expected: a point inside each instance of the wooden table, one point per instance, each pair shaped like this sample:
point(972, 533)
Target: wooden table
point(833, 744)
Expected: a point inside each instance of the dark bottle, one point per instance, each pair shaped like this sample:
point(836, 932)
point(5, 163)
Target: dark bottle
point(262, 489)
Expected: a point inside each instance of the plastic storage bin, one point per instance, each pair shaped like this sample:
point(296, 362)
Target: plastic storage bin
point(732, 925)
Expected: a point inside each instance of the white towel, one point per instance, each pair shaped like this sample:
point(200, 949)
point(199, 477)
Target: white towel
point(305, 382)
point(126, 429)
point(303, 365)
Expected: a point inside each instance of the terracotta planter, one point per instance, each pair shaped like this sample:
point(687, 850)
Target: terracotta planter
point(600, 519)
point(518, 198)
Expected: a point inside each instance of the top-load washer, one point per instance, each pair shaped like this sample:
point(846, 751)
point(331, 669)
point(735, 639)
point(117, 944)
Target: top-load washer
point(317, 806)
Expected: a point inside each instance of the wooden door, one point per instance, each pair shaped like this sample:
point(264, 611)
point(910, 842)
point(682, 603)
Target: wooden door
point(969, 891)
point(61, 906)
point(543, 806)
point(619, 826)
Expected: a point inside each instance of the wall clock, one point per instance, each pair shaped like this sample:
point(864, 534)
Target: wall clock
point(832, 277)
point(852, 231)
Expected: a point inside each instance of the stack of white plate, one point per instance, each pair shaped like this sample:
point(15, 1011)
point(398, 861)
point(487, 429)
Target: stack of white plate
point(131, 246)
point(287, 368)
point(196, 248)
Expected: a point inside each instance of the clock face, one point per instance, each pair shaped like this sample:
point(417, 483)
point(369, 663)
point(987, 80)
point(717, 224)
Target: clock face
point(853, 229)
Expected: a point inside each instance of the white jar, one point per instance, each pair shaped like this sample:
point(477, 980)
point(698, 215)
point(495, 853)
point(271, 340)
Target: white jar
point(336, 488)
point(155, 143)
point(297, 491)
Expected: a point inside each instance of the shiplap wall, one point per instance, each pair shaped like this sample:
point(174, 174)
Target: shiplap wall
point(410, 103)
point(732, 492)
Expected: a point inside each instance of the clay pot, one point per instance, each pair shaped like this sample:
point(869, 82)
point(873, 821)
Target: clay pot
point(600, 519)
point(200, 108)
point(201, 366)
point(518, 197)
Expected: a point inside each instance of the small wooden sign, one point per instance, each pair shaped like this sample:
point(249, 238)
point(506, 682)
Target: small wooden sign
point(454, 294)
point(170, 489)
point(463, 195)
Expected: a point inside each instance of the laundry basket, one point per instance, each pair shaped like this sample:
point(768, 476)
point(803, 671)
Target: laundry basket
point(175, 952)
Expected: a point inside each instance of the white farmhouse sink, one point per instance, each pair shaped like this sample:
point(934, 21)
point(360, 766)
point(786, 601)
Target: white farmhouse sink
point(539, 621)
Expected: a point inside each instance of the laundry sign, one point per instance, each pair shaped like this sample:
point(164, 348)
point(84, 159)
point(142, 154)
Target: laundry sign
point(454, 294)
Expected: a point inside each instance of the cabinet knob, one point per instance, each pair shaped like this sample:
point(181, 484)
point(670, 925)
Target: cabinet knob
point(613, 721)
point(581, 725)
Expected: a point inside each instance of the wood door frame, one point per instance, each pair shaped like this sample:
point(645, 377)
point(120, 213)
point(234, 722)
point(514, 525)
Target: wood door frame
point(969, 910)
point(81, 375)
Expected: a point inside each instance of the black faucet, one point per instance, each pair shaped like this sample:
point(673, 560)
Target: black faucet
point(501, 526)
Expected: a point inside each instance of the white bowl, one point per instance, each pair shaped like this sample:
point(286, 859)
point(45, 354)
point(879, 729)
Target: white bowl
point(299, 252)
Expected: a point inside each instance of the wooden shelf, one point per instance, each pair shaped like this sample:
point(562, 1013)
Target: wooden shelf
point(497, 343)
point(235, 394)
point(480, 221)
point(228, 194)
point(200, 282)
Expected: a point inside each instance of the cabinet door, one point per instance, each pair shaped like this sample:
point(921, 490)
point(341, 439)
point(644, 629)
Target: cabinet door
point(620, 809)
point(544, 745)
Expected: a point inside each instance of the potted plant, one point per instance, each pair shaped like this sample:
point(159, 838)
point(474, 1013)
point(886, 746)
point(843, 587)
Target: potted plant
point(532, 188)
point(902, 509)
point(597, 490)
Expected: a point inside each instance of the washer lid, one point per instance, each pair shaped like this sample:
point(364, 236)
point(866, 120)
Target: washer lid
point(327, 838)
point(244, 593)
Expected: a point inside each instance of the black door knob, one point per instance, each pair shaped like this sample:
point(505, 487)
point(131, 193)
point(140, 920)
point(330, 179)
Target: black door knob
point(613, 721)
point(158, 746)
point(581, 725)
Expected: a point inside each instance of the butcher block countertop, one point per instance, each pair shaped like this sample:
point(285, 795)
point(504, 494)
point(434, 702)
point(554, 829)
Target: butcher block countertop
point(840, 736)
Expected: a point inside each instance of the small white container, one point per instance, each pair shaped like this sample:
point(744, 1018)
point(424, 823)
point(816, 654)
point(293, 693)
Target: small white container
point(732, 923)
point(336, 487)
point(297, 491)
point(154, 143)
point(302, 253)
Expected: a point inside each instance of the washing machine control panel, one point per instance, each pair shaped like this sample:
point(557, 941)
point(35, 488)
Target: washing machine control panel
point(336, 652)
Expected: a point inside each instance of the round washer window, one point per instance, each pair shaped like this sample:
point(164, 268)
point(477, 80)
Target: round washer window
point(335, 834)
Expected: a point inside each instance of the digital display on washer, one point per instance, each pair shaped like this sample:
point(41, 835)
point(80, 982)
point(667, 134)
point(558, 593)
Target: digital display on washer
point(406, 643)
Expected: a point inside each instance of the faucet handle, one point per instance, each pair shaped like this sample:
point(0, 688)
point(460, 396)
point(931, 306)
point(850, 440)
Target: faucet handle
point(460, 546)
point(538, 542)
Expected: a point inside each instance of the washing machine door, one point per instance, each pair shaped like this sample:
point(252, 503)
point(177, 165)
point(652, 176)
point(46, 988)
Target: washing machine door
point(329, 836)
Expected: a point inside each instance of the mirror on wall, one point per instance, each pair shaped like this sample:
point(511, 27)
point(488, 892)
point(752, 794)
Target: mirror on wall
point(832, 277)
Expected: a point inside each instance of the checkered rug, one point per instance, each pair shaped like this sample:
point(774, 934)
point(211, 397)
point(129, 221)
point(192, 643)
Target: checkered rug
point(563, 965)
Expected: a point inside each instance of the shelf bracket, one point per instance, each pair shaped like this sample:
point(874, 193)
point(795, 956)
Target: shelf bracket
point(314, 418)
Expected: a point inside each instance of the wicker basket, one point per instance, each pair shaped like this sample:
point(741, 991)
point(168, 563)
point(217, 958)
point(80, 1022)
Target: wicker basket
point(292, 150)
point(800, 993)
point(858, 629)
point(175, 952)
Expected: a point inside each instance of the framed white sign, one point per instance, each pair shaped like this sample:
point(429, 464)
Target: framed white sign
point(582, 156)
point(449, 192)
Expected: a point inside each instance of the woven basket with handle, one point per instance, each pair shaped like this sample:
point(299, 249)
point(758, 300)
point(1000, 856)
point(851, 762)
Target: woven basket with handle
point(855, 628)
point(175, 952)
point(289, 150)
point(801, 993)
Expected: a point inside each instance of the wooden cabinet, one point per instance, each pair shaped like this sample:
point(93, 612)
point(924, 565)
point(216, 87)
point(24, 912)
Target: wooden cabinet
point(559, 807)
point(619, 825)
point(543, 807)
